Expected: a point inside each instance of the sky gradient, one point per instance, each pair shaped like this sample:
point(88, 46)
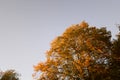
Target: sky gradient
point(28, 26)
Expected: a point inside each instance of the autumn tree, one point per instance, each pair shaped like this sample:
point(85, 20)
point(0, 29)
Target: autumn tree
point(9, 75)
point(116, 46)
point(80, 53)
point(115, 67)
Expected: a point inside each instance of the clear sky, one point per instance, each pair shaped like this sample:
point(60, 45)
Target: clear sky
point(28, 26)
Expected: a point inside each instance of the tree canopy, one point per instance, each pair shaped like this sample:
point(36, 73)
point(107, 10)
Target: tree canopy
point(9, 75)
point(115, 68)
point(82, 52)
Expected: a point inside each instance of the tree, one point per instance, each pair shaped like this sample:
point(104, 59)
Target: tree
point(80, 53)
point(115, 68)
point(116, 46)
point(9, 75)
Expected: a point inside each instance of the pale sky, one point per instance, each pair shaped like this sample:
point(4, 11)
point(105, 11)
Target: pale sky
point(28, 26)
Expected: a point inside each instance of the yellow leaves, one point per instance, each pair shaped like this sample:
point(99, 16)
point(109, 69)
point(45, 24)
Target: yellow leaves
point(49, 65)
point(88, 43)
point(83, 24)
point(75, 30)
point(87, 62)
point(40, 66)
point(78, 65)
point(58, 42)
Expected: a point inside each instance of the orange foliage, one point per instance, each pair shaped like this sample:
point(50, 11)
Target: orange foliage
point(40, 66)
point(74, 51)
point(83, 24)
